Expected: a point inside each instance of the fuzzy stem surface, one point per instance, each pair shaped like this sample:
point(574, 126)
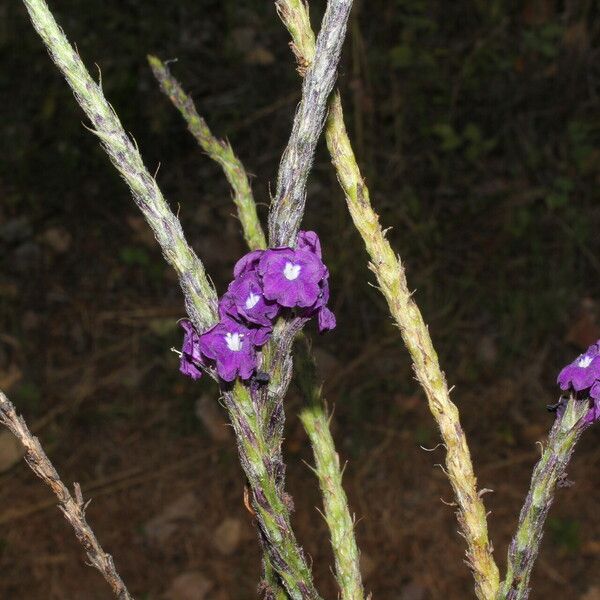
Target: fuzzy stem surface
point(287, 208)
point(262, 464)
point(327, 468)
point(262, 472)
point(548, 475)
point(391, 278)
point(73, 508)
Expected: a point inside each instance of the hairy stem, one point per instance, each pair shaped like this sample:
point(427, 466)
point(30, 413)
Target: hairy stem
point(390, 275)
point(315, 419)
point(218, 150)
point(234, 170)
point(262, 464)
point(73, 508)
point(201, 299)
point(287, 208)
point(548, 474)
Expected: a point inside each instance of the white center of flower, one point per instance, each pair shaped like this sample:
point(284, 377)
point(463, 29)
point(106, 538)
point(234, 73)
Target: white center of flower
point(234, 341)
point(291, 271)
point(585, 361)
point(252, 300)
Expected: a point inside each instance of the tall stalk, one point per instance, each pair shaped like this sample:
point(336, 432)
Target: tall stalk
point(390, 275)
point(257, 415)
point(200, 296)
point(313, 415)
point(549, 474)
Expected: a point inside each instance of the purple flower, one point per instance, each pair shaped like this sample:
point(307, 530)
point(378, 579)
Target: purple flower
point(291, 277)
point(309, 240)
point(229, 345)
point(190, 351)
point(247, 294)
point(325, 318)
point(583, 372)
point(259, 334)
point(247, 263)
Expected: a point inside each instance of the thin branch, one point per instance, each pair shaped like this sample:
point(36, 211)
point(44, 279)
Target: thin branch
point(201, 299)
point(73, 508)
point(314, 415)
point(218, 150)
point(548, 474)
point(287, 208)
point(337, 514)
point(391, 278)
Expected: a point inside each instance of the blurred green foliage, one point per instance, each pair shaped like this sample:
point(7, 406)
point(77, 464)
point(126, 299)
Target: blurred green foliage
point(566, 534)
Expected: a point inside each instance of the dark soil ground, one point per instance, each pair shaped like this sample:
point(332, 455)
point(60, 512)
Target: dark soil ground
point(477, 128)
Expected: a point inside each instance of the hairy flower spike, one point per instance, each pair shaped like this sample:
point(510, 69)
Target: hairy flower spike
point(266, 284)
point(201, 299)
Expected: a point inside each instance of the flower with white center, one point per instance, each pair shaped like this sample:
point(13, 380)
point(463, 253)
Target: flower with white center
point(291, 271)
point(585, 361)
point(251, 301)
point(245, 301)
point(234, 341)
point(224, 347)
point(583, 372)
point(291, 277)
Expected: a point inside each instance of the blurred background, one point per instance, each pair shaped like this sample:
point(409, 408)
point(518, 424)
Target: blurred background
point(476, 124)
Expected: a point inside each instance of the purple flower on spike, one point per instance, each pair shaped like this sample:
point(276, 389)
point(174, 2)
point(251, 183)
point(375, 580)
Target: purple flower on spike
point(259, 334)
point(291, 277)
point(583, 372)
point(229, 345)
point(325, 318)
point(582, 375)
point(247, 263)
point(594, 412)
point(247, 294)
point(190, 351)
point(309, 240)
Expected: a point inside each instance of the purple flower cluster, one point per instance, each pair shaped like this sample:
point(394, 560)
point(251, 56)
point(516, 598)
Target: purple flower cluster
point(267, 283)
point(583, 375)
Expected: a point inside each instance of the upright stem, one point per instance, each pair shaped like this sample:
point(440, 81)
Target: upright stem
point(201, 299)
point(315, 419)
point(287, 208)
point(218, 150)
point(263, 467)
point(73, 508)
point(391, 277)
point(314, 415)
point(548, 474)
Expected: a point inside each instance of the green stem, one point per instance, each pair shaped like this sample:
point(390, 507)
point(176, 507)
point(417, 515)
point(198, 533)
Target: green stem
point(201, 299)
point(315, 419)
point(218, 150)
point(389, 271)
point(260, 459)
point(548, 474)
point(262, 465)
